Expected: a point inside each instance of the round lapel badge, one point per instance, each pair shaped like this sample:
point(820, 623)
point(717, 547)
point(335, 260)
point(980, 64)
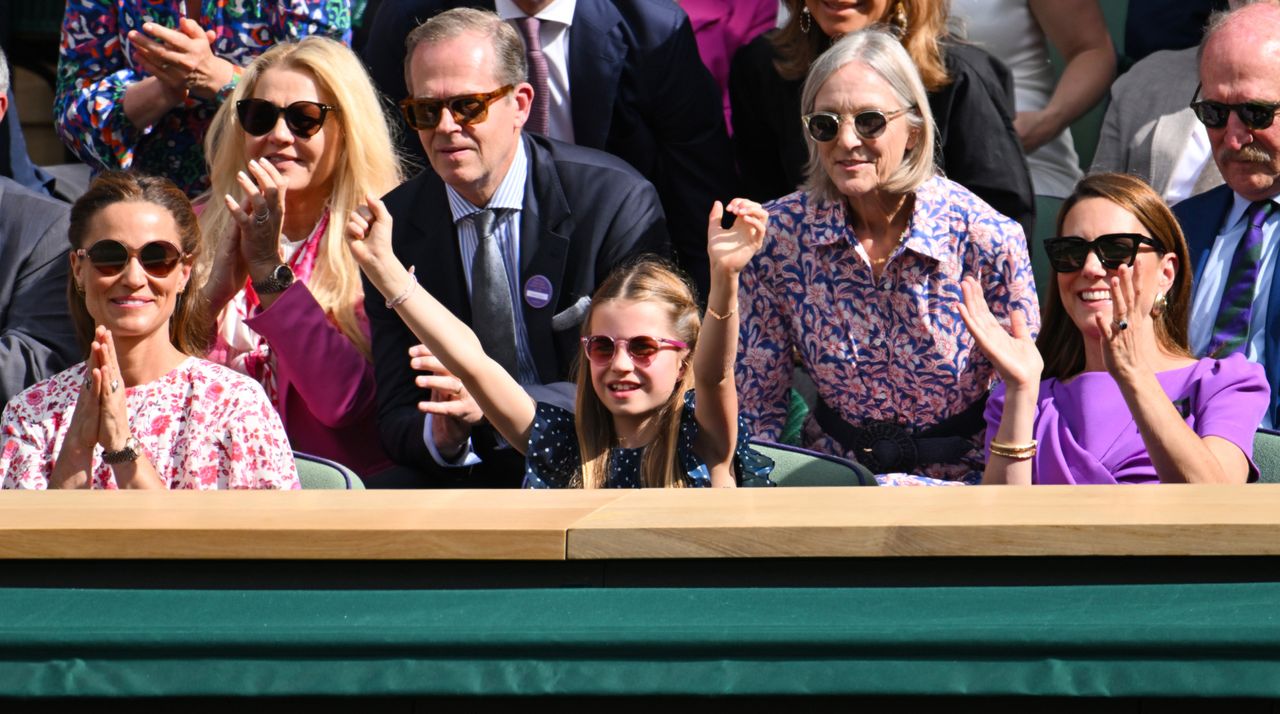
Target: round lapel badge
point(537, 291)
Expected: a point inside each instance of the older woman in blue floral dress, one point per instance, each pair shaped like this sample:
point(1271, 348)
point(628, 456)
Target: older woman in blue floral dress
point(860, 276)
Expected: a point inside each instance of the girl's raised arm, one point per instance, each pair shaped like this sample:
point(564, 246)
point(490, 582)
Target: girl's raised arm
point(504, 402)
point(729, 251)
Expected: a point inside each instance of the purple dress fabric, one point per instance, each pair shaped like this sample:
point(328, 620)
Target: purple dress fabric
point(1087, 434)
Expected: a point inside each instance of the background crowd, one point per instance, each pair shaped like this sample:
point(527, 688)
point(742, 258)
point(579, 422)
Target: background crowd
point(506, 243)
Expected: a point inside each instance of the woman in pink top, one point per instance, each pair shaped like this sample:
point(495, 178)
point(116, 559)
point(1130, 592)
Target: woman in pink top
point(301, 139)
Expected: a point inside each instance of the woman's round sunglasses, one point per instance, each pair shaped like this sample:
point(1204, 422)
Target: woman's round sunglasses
point(425, 114)
point(1067, 254)
point(109, 257)
point(304, 119)
point(869, 123)
point(642, 348)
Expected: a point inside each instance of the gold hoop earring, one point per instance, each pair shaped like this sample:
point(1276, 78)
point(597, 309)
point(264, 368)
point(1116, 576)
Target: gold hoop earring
point(1159, 306)
point(900, 17)
point(806, 20)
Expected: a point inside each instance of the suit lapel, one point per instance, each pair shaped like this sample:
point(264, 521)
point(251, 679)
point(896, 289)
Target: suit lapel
point(1167, 139)
point(545, 226)
point(1200, 223)
point(432, 246)
point(597, 53)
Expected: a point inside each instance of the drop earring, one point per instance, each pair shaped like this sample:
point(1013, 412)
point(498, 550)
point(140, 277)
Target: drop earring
point(806, 20)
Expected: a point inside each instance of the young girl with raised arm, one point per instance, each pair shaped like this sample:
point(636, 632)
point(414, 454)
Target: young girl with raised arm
point(645, 347)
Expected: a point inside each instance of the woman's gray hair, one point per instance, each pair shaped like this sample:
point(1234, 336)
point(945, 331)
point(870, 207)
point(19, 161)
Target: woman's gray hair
point(880, 50)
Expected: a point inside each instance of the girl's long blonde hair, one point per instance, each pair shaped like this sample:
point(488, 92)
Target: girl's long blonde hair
point(368, 164)
point(648, 280)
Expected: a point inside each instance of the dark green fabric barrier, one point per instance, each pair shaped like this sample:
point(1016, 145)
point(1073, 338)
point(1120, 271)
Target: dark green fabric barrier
point(1214, 640)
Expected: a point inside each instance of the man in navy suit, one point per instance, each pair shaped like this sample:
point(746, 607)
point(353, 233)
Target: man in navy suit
point(1240, 95)
point(36, 335)
point(624, 77)
point(561, 216)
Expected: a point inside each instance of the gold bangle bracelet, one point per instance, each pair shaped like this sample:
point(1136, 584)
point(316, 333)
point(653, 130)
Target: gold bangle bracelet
point(712, 312)
point(1017, 452)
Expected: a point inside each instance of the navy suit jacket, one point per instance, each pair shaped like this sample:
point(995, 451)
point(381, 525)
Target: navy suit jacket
point(36, 336)
point(584, 212)
point(1201, 218)
point(640, 91)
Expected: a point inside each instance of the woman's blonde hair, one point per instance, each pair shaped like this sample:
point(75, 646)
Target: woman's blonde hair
point(876, 48)
point(1060, 342)
point(368, 164)
point(921, 25)
point(187, 331)
point(655, 281)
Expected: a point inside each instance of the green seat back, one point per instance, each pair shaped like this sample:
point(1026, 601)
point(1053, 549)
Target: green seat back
point(1266, 454)
point(320, 473)
point(794, 466)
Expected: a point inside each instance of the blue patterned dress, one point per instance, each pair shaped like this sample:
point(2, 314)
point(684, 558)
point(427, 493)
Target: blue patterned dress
point(890, 348)
point(553, 459)
point(96, 63)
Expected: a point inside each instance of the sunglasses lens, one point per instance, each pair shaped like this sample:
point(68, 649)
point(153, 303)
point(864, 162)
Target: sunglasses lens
point(108, 256)
point(599, 348)
point(422, 114)
point(158, 258)
point(257, 116)
point(869, 125)
point(1066, 255)
point(1256, 116)
point(304, 118)
point(824, 127)
point(1115, 250)
point(643, 347)
point(468, 110)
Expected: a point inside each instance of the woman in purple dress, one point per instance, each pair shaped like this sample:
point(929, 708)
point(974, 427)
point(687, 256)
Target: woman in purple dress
point(1110, 393)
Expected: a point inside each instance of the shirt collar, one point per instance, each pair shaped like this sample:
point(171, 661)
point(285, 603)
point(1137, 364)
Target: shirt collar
point(560, 11)
point(510, 193)
point(829, 223)
point(1239, 205)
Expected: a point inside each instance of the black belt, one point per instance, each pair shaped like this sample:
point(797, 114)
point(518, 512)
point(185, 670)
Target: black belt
point(889, 447)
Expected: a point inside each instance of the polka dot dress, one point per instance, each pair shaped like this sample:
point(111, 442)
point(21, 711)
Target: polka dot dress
point(553, 459)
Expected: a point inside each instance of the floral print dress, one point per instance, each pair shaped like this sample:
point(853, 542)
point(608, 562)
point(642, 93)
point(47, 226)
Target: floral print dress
point(202, 425)
point(879, 349)
point(96, 63)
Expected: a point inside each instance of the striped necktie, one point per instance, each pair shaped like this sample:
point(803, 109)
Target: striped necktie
point(1231, 330)
point(539, 114)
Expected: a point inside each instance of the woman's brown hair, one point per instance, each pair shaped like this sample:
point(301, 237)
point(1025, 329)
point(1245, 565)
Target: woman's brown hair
point(656, 281)
point(111, 187)
point(1060, 343)
point(923, 24)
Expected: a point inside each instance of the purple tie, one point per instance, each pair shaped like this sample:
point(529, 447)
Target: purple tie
point(1231, 329)
point(538, 115)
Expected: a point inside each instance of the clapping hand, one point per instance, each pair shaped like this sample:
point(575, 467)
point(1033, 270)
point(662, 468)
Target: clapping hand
point(730, 249)
point(261, 217)
point(182, 59)
point(1013, 352)
point(1123, 337)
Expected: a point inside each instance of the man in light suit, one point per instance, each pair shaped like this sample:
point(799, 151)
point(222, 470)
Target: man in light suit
point(1150, 131)
point(562, 215)
point(1240, 87)
point(624, 77)
point(36, 335)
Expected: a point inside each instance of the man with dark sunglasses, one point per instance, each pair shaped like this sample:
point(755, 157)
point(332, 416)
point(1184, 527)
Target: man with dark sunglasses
point(511, 231)
point(36, 336)
point(622, 76)
point(1233, 231)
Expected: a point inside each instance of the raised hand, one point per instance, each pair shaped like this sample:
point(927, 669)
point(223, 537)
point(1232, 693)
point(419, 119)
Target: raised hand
point(1123, 338)
point(113, 420)
point(1013, 353)
point(261, 217)
point(182, 59)
point(730, 249)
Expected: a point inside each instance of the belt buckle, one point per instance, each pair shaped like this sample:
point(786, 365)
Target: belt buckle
point(885, 447)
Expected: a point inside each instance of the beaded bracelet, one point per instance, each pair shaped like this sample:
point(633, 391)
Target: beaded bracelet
point(397, 300)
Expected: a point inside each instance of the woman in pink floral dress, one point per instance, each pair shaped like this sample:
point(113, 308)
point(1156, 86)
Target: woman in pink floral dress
point(141, 411)
point(860, 276)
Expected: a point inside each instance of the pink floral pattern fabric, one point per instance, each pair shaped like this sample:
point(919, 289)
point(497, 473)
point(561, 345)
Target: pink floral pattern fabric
point(202, 425)
point(891, 348)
